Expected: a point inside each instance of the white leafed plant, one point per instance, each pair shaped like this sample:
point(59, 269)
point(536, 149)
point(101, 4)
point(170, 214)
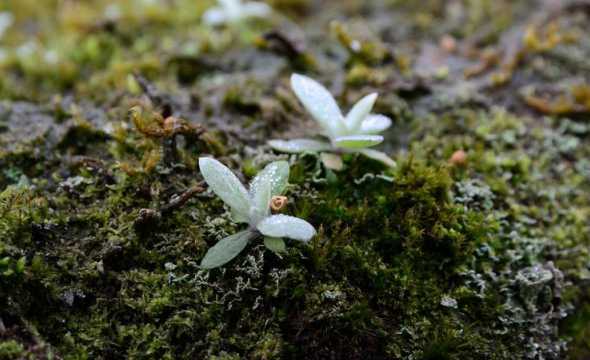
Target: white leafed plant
point(235, 11)
point(253, 208)
point(354, 133)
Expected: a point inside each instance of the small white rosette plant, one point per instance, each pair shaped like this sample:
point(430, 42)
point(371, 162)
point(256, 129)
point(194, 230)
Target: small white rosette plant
point(253, 208)
point(354, 133)
point(235, 11)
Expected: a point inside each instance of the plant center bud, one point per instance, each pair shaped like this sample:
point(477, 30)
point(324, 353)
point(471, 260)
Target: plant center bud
point(278, 203)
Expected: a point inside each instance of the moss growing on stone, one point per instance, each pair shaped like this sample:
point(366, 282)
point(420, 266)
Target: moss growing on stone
point(435, 259)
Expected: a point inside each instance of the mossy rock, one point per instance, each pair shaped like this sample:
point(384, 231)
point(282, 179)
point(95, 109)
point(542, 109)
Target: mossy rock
point(474, 246)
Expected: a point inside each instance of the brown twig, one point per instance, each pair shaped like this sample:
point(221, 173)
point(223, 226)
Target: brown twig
point(178, 201)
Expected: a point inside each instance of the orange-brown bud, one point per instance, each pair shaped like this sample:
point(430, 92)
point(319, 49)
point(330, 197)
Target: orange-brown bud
point(278, 203)
point(459, 158)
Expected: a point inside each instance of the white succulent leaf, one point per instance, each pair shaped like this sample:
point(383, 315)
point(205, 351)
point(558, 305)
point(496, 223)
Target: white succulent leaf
point(232, 8)
point(379, 156)
point(239, 217)
point(271, 181)
point(283, 226)
point(227, 249)
point(359, 112)
point(320, 103)
point(357, 141)
point(226, 185)
point(260, 194)
point(299, 145)
point(233, 11)
point(375, 124)
point(275, 173)
point(256, 9)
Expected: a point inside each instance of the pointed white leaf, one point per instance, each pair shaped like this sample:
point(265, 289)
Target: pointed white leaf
point(375, 124)
point(227, 249)
point(379, 156)
point(231, 6)
point(276, 173)
point(319, 102)
point(357, 141)
point(226, 185)
point(276, 245)
point(299, 145)
point(359, 112)
point(215, 16)
point(260, 193)
point(239, 218)
point(256, 9)
point(281, 226)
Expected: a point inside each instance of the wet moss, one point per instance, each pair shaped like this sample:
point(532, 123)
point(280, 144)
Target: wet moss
point(486, 259)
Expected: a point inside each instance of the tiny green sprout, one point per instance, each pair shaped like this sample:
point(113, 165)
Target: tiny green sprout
point(235, 11)
point(355, 133)
point(252, 207)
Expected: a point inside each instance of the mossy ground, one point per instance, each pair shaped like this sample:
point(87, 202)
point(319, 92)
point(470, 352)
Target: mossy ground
point(486, 259)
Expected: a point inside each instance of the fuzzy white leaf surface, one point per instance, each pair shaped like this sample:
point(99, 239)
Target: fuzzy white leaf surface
point(319, 102)
point(227, 249)
point(357, 141)
point(299, 145)
point(359, 112)
point(233, 11)
point(232, 8)
point(256, 9)
point(275, 173)
point(379, 156)
point(281, 226)
point(269, 182)
point(260, 194)
point(375, 124)
point(226, 185)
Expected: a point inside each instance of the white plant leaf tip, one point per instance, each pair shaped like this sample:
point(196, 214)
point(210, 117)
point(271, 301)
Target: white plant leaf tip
point(276, 174)
point(234, 11)
point(225, 184)
point(283, 226)
point(226, 249)
point(318, 101)
point(375, 124)
point(359, 112)
point(299, 145)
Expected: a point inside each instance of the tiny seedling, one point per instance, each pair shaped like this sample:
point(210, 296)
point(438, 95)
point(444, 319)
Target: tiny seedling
point(355, 133)
point(253, 208)
point(235, 11)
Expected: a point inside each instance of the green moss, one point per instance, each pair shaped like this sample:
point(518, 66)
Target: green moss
point(430, 260)
point(10, 350)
